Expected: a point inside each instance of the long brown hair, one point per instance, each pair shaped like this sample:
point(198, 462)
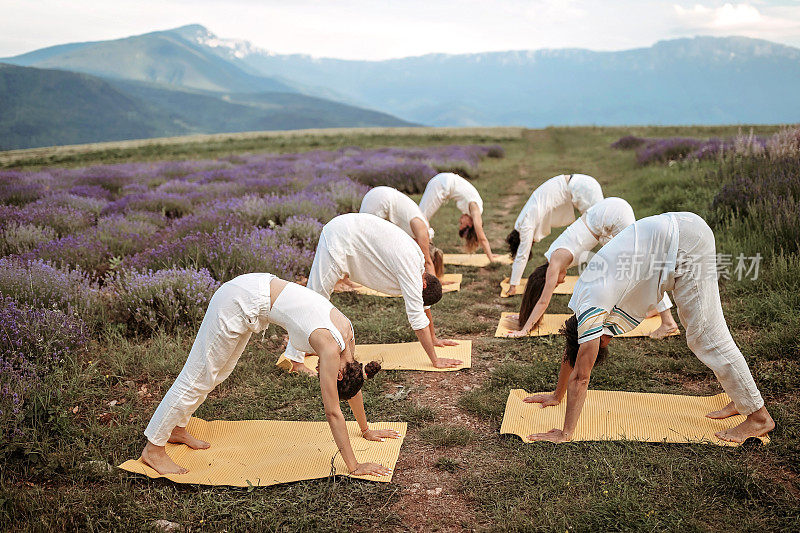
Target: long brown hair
point(470, 237)
point(438, 261)
point(533, 291)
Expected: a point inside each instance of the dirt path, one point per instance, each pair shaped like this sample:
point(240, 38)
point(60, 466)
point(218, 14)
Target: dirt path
point(431, 498)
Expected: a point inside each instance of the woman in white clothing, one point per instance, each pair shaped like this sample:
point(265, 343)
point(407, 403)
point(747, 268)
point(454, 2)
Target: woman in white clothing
point(552, 205)
point(394, 206)
point(245, 305)
point(672, 251)
point(599, 224)
point(448, 186)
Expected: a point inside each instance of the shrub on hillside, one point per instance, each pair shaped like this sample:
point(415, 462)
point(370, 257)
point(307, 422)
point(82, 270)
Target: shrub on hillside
point(33, 344)
point(165, 299)
point(43, 285)
point(16, 238)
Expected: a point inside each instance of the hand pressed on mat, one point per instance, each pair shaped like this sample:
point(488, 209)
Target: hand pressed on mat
point(380, 435)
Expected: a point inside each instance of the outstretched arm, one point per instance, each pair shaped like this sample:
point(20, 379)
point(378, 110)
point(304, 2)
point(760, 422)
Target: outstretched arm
point(328, 374)
point(424, 336)
point(546, 400)
point(477, 223)
point(550, 284)
point(423, 238)
point(436, 340)
point(577, 387)
point(357, 407)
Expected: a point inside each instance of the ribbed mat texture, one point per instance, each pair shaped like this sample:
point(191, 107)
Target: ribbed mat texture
point(401, 356)
point(450, 283)
point(551, 324)
point(564, 288)
point(618, 415)
point(268, 452)
point(474, 260)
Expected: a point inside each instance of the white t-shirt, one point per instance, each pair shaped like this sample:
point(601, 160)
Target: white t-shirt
point(605, 219)
point(394, 206)
point(552, 205)
point(626, 278)
point(381, 256)
point(448, 186)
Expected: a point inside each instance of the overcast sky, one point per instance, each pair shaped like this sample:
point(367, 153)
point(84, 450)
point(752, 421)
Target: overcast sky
point(378, 29)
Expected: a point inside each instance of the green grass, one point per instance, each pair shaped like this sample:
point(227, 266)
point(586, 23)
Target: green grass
point(502, 484)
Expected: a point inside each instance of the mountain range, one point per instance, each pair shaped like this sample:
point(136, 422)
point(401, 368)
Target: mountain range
point(188, 80)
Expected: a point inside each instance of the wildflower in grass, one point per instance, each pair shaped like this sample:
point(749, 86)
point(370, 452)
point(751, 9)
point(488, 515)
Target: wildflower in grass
point(91, 191)
point(16, 238)
point(123, 236)
point(15, 191)
point(170, 204)
point(165, 299)
point(43, 285)
point(63, 199)
point(80, 251)
point(302, 231)
point(33, 343)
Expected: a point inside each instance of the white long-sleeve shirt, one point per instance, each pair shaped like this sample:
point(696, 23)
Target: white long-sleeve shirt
point(599, 224)
point(381, 256)
point(392, 205)
point(448, 186)
point(551, 205)
point(626, 278)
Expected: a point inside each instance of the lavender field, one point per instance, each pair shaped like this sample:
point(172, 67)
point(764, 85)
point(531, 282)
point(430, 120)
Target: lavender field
point(145, 245)
point(106, 270)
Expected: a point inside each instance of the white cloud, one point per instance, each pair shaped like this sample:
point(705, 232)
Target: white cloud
point(743, 18)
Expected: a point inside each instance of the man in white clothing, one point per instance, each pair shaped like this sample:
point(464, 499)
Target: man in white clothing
point(379, 255)
point(627, 277)
point(552, 205)
point(394, 206)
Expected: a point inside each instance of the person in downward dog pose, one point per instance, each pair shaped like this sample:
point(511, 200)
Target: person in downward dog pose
point(448, 186)
point(599, 224)
point(394, 206)
point(245, 305)
point(671, 251)
point(379, 255)
point(552, 205)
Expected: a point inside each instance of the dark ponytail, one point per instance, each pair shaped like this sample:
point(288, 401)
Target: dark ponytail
point(513, 242)
point(372, 368)
point(353, 378)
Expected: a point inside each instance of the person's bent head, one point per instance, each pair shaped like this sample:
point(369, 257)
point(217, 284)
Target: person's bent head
point(438, 261)
point(513, 242)
point(466, 230)
point(533, 291)
point(570, 332)
point(351, 377)
point(431, 289)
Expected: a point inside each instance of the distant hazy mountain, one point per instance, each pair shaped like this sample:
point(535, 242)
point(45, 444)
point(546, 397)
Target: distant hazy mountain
point(702, 80)
point(159, 57)
point(699, 80)
point(200, 82)
point(40, 107)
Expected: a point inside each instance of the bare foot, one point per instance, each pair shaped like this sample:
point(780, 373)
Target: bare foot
point(156, 458)
point(181, 436)
point(757, 424)
point(303, 369)
point(725, 412)
point(664, 330)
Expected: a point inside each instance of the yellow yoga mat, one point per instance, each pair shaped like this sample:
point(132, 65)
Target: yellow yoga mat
point(401, 356)
point(474, 260)
point(618, 415)
point(564, 288)
point(450, 283)
point(551, 324)
point(268, 452)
